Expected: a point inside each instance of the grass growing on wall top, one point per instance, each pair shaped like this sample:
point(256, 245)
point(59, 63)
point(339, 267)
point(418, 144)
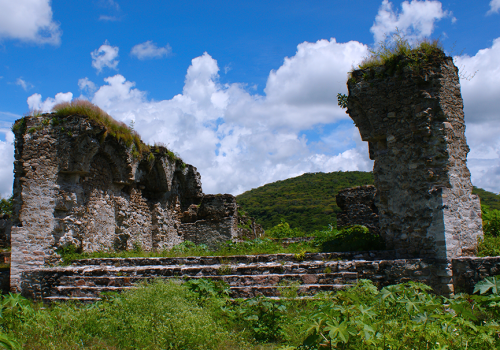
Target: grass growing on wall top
point(397, 53)
point(114, 128)
point(399, 47)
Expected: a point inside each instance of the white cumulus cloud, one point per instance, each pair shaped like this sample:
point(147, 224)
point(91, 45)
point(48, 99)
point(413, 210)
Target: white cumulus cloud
point(6, 163)
point(239, 140)
point(494, 7)
point(105, 56)
point(481, 106)
point(30, 21)
point(149, 49)
point(416, 19)
point(35, 102)
point(85, 85)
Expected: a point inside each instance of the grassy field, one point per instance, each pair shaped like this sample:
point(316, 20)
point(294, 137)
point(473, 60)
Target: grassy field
point(199, 315)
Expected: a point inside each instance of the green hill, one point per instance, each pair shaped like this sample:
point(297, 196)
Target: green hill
point(308, 201)
point(489, 199)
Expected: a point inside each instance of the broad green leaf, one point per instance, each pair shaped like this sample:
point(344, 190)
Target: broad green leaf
point(488, 283)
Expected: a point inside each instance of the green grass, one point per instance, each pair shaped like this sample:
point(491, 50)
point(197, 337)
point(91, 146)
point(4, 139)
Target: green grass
point(489, 246)
point(398, 50)
point(187, 248)
point(199, 315)
point(355, 238)
point(114, 128)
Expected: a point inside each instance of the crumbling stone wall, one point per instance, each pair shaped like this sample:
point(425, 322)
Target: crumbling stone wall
point(412, 117)
point(5, 226)
point(75, 184)
point(358, 208)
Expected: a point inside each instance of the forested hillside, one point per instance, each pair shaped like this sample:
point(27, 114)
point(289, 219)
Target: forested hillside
point(308, 201)
point(488, 199)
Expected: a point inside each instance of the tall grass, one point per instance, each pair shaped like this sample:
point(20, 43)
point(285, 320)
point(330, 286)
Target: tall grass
point(199, 315)
point(114, 128)
point(398, 47)
point(161, 315)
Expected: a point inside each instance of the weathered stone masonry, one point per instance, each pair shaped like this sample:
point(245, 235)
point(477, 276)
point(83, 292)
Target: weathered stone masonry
point(414, 123)
point(75, 184)
point(358, 208)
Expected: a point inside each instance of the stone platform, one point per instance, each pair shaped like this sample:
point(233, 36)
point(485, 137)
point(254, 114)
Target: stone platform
point(247, 275)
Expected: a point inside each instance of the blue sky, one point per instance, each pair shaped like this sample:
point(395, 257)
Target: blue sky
point(245, 91)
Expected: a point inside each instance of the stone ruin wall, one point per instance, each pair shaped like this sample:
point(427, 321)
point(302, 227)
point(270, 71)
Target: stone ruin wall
point(414, 124)
point(74, 184)
point(358, 208)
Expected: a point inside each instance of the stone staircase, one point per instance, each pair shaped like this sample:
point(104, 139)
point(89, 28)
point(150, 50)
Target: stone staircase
point(247, 276)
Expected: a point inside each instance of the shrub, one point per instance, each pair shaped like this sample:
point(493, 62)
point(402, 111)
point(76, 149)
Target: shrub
point(19, 125)
point(490, 244)
point(404, 316)
point(353, 238)
point(491, 221)
point(283, 230)
point(6, 206)
point(263, 317)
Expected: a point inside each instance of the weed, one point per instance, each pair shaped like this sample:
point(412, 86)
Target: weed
point(19, 125)
point(491, 221)
point(224, 270)
point(205, 288)
point(198, 315)
point(342, 100)
point(137, 247)
point(263, 317)
point(300, 256)
point(35, 128)
point(397, 47)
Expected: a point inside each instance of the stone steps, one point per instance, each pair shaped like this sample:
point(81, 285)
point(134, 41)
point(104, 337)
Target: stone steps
point(247, 276)
point(234, 259)
point(231, 280)
point(315, 267)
